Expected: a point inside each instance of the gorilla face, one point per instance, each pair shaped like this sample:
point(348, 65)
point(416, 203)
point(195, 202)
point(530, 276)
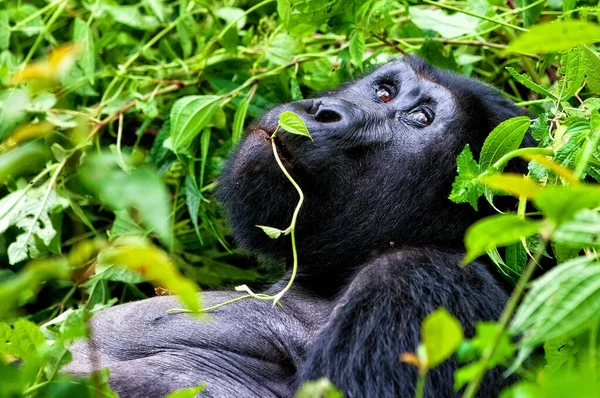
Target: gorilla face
point(377, 174)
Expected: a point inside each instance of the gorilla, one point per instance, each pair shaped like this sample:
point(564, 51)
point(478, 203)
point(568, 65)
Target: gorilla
point(378, 241)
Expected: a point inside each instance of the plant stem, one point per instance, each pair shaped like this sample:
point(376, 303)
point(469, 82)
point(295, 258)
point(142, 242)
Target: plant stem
point(420, 387)
point(506, 314)
point(292, 227)
point(520, 152)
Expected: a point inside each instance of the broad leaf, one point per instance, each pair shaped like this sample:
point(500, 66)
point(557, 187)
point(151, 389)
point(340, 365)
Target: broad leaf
point(592, 70)
point(293, 124)
point(573, 71)
point(530, 84)
point(141, 189)
point(560, 303)
point(23, 339)
point(447, 25)
point(153, 264)
point(515, 184)
point(506, 137)
point(556, 36)
point(560, 203)
point(441, 334)
point(83, 35)
point(497, 230)
point(357, 47)
point(582, 231)
point(30, 210)
point(189, 115)
point(271, 232)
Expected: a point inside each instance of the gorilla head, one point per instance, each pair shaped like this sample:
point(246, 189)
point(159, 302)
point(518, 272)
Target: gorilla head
point(377, 174)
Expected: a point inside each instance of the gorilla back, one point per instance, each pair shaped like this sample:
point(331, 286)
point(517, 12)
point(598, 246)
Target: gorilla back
point(379, 246)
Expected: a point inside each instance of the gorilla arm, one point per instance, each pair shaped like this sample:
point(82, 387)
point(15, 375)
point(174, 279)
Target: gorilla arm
point(378, 318)
point(244, 349)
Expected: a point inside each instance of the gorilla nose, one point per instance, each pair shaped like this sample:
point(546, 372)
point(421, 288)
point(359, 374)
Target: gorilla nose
point(327, 110)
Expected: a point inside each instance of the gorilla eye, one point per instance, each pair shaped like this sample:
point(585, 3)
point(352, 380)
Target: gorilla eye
point(384, 94)
point(423, 117)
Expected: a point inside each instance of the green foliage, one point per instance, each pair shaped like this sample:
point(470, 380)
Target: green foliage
point(441, 334)
point(115, 118)
point(466, 187)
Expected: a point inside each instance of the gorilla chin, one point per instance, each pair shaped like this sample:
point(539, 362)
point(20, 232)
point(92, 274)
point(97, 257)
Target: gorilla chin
point(379, 247)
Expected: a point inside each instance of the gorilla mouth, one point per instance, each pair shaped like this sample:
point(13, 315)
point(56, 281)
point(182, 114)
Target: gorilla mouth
point(284, 154)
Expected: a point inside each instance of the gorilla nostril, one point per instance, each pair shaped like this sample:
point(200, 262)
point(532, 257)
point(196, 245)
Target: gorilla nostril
point(327, 116)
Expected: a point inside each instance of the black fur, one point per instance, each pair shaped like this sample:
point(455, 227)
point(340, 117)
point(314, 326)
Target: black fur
point(379, 246)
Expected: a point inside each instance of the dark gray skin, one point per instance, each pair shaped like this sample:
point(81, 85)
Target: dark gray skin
point(379, 245)
point(247, 349)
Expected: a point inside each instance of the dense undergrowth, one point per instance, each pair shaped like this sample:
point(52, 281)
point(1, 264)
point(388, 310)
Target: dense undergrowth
point(115, 118)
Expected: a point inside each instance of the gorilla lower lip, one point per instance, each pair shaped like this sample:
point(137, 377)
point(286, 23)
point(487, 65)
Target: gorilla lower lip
point(262, 133)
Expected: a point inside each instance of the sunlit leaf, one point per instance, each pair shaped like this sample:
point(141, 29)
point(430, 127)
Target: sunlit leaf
point(271, 232)
point(556, 36)
point(506, 137)
point(441, 334)
point(322, 388)
point(560, 203)
point(497, 230)
point(466, 186)
point(154, 265)
point(530, 84)
point(189, 115)
point(293, 124)
point(515, 184)
point(141, 189)
point(561, 302)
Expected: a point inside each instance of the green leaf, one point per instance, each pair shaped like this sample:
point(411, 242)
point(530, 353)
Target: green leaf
point(23, 339)
point(322, 388)
point(304, 17)
point(271, 232)
point(466, 186)
point(441, 334)
point(506, 137)
point(30, 210)
point(556, 36)
point(193, 198)
point(485, 333)
point(189, 115)
point(448, 26)
point(293, 124)
point(562, 302)
point(560, 203)
point(530, 15)
point(129, 15)
point(497, 230)
point(142, 189)
point(239, 118)
point(573, 71)
point(84, 37)
point(187, 392)
point(530, 84)
point(4, 30)
point(515, 184)
point(592, 70)
point(140, 256)
point(540, 127)
point(582, 231)
point(158, 8)
point(124, 225)
point(357, 47)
